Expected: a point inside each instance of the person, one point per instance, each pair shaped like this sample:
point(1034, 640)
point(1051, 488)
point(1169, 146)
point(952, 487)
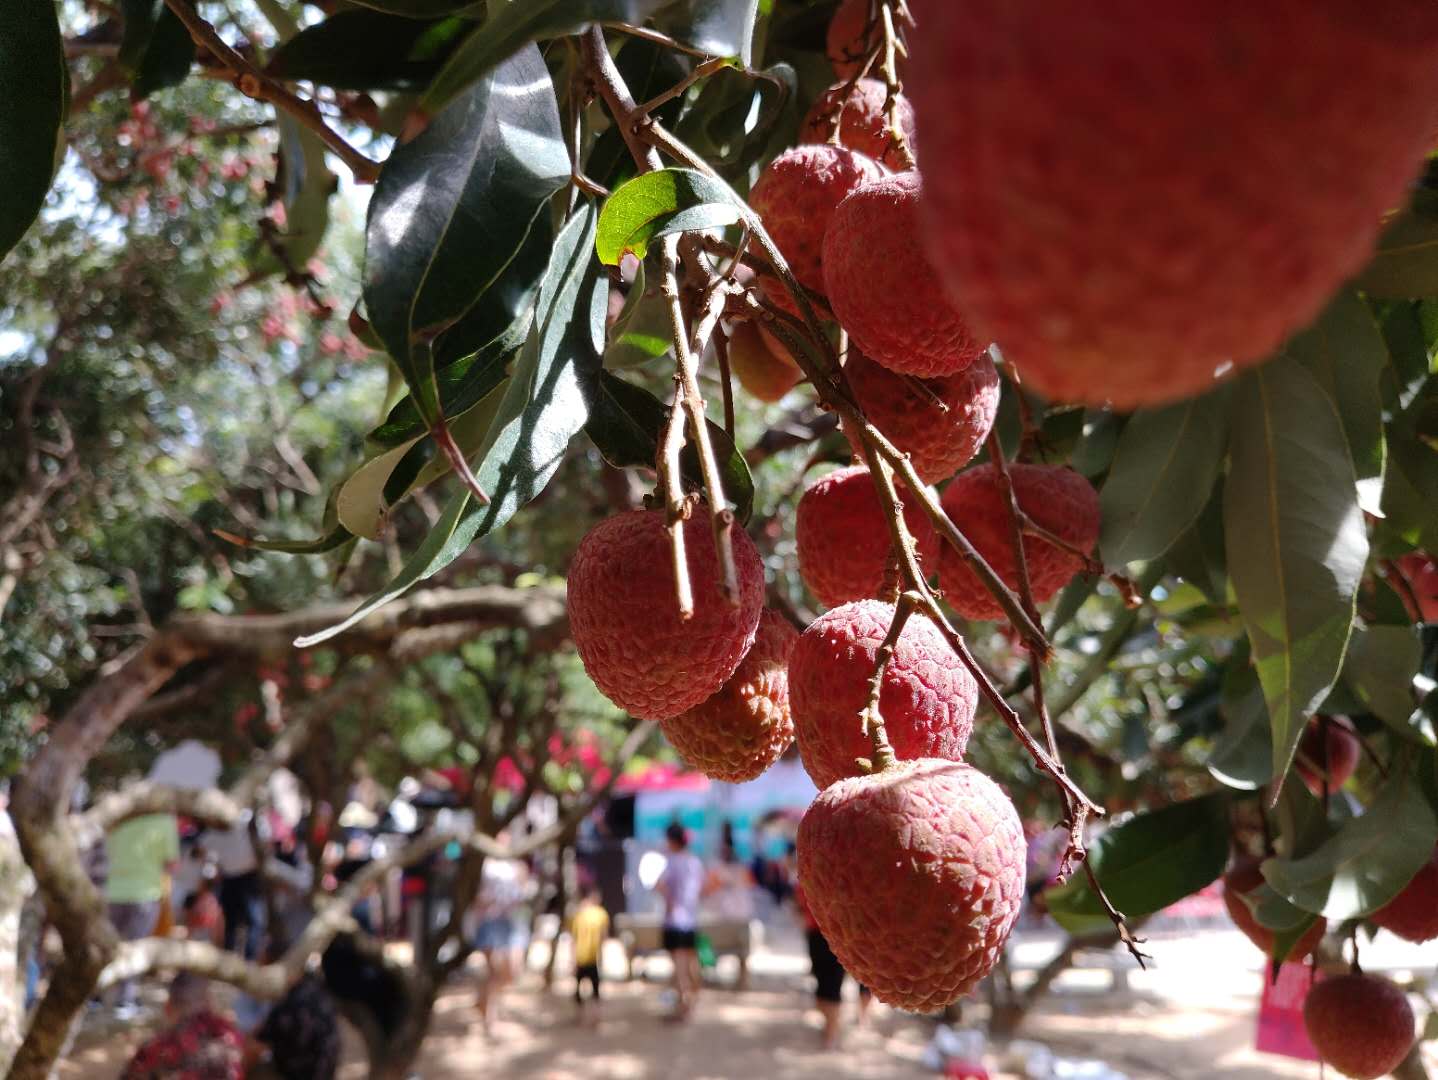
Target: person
point(828, 976)
point(197, 1043)
point(300, 1038)
point(140, 853)
point(203, 919)
point(498, 936)
point(729, 888)
point(680, 885)
point(588, 927)
point(241, 892)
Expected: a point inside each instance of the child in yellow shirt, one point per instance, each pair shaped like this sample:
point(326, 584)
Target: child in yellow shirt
point(588, 927)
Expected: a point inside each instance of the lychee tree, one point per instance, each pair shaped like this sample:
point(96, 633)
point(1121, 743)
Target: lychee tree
point(1128, 327)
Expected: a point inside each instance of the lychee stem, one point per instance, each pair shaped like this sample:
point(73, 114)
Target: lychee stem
point(872, 718)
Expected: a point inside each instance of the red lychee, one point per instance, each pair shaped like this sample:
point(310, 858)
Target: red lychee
point(1128, 203)
point(624, 615)
point(795, 196)
point(1420, 572)
point(745, 727)
point(927, 698)
point(1360, 1024)
point(1055, 498)
point(853, 33)
point(1242, 878)
point(1413, 913)
point(864, 126)
point(843, 538)
point(915, 875)
point(940, 423)
point(1330, 747)
point(883, 290)
point(764, 372)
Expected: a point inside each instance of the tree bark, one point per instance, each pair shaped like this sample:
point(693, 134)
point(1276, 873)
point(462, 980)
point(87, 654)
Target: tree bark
point(15, 887)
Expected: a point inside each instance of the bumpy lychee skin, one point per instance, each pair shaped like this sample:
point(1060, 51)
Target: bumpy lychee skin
point(927, 699)
point(882, 288)
point(1360, 1024)
point(1057, 499)
point(764, 372)
point(843, 538)
point(1329, 748)
point(1413, 913)
point(915, 875)
point(852, 35)
point(940, 423)
point(864, 126)
point(624, 616)
point(796, 195)
point(746, 726)
point(1126, 218)
point(1242, 878)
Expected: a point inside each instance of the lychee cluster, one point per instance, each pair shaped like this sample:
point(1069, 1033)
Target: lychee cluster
point(1240, 883)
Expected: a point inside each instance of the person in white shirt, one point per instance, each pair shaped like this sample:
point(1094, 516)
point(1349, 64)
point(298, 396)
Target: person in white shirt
point(680, 885)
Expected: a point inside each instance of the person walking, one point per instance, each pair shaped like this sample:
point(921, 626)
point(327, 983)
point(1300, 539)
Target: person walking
point(828, 976)
point(588, 928)
point(680, 885)
point(141, 854)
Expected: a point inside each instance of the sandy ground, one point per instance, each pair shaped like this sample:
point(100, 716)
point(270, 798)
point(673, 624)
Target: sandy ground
point(1190, 1017)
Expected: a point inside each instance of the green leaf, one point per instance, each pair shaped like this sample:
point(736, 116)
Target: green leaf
point(657, 204)
point(716, 27)
point(454, 206)
point(306, 184)
point(336, 537)
point(625, 425)
point(543, 408)
point(168, 56)
point(369, 50)
point(1197, 556)
point(1242, 755)
point(425, 9)
point(32, 105)
point(1367, 862)
point(1381, 665)
point(1150, 861)
point(462, 385)
point(1344, 350)
point(1410, 491)
point(1406, 263)
point(361, 505)
point(513, 26)
point(643, 329)
point(1162, 474)
point(1295, 540)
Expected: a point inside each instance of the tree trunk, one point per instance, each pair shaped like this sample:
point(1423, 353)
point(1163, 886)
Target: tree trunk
point(15, 886)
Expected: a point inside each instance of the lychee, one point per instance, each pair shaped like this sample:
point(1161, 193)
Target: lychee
point(1419, 571)
point(864, 125)
point(766, 373)
point(1054, 498)
point(940, 423)
point(927, 699)
point(1242, 878)
point(882, 288)
point(745, 727)
point(624, 614)
point(795, 196)
point(1360, 1024)
point(1413, 913)
point(915, 875)
point(1129, 203)
point(843, 537)
point(854, 32)
point(1329, 747)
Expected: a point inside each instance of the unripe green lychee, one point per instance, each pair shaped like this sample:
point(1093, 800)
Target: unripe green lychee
point(764, 372)
point(915, 875)
point(796, 195)
point(843, 537)
point(882, 288)
point(624, 613)
point(1129, 203)
point(1413, 913)
point(940, 423)
point(746, 726)
point(1242, 878)
point(1055, 498)
point(864, 126)
point(927, 698)
point(1360, 1024)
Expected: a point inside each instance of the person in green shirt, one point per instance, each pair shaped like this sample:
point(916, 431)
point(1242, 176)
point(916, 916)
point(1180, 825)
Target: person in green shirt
point(141, 852)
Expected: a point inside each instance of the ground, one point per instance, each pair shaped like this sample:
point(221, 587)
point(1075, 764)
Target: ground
point(1191, 1017)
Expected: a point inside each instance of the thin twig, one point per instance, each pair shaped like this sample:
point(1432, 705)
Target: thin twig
point(1116, 917)
point(726, 379)
point(889, 69)
point(701, 71)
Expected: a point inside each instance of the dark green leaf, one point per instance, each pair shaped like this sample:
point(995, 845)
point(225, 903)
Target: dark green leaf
point(1242, 755)
point(461, 386)
point(517, 24)
point(716, 27)
point(1162, 475)
point(625, 424)
point(32, 104)
point(1368, 861)
point(1150, 861)
point(361, 505)
point(1380, 667)
point(369, 50)
point(1406, 263)
point(1410, 492)
point(168, 56)
point(1197, 556)
point(643, 329)
point(543, 408)
point(306, 184)
point(743, 117)
point(453, 207)
point(1295, 539)
point(648, 69)
point(425, 9)
point(1345, 352)
point(657, 204)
